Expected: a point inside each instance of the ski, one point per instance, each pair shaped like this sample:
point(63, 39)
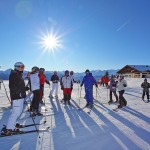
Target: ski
point(44, 115)
point(29, 125)
point(25, 132)
point(89, 111)
point(116, 109)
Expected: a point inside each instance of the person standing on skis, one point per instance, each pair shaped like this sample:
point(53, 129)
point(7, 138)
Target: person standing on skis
point(17, 94)
point(121, 85)
point(42, 82)
point(88, 81)
point(55, 80)
point(112, 87)
point(145, 85)
point(35, 88)
point(66, 84)
point(72, 78)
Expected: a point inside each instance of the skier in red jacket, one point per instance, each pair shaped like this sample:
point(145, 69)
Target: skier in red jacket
point(42, 82)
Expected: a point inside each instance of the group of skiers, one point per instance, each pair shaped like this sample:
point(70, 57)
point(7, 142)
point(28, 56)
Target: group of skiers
point(37, 79)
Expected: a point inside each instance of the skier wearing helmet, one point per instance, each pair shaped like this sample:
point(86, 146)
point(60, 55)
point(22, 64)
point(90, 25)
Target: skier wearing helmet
point(17, 94)
point(55, 80)
point(66, 84)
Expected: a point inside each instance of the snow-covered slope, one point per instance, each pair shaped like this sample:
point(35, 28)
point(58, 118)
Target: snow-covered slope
point(73, 129)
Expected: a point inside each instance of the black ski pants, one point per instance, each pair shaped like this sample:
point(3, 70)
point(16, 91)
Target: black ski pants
point(147, 93)
point(122, 100)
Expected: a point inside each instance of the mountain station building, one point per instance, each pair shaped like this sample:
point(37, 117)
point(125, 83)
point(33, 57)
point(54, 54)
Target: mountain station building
point(135, 71)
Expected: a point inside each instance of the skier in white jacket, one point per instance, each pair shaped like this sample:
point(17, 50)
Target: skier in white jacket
point(66, 84)
point(121, 85)
point(35, 88)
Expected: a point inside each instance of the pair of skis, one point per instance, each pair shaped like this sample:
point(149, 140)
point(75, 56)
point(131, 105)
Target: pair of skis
point(44, 115)
point(25, 132)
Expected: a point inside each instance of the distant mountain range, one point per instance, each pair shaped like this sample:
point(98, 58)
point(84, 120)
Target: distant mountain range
point(4, 75)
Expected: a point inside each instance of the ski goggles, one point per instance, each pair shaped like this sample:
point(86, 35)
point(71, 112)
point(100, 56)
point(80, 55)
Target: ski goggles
point(22, 67)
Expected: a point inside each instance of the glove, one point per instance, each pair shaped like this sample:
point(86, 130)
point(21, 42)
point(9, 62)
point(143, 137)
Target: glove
point(81, 85)
point(27, 88)
point(62, 87)
point(96, 85)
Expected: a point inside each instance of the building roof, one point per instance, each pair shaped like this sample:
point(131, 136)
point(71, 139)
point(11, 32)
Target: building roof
point(141, 67)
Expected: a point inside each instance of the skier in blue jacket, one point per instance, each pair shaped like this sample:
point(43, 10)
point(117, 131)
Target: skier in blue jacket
point(88, 81)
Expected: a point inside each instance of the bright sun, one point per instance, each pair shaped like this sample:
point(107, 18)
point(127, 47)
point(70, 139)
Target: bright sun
point(50, 42)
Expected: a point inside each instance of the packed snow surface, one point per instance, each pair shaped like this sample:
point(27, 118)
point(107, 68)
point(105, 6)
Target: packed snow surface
point(74, 129)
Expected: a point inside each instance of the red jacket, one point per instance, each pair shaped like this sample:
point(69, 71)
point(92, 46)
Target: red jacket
point(42, 78)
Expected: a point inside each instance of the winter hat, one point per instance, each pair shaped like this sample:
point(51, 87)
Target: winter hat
point(71, 72)
point(66, 72)
point(87, 71)
point(55, 72)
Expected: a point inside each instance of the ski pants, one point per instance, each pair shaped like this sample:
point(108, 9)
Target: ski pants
point(122, 100)
point(89, 95)
point(67, 94)
point(35, 102)
point(41, 91)
point(147, 93)
point(54, 87)
point(17, 108)
point(110, 95)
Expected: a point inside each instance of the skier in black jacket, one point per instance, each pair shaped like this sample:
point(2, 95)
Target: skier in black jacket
point(17, 94)
point(145, 85)
point(55, 80)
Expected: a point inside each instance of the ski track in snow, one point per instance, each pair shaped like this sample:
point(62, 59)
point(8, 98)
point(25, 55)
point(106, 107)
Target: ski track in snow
point(74, 129)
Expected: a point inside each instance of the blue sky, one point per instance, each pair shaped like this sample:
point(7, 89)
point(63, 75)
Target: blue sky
point(92, 34)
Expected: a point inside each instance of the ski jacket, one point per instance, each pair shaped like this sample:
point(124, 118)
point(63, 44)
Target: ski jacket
point(66, 82)
point(121, 84)
point(16, 85)
point(72, 78)
point(55, 78)
point(34, 81)
point(88, 81)
point(102, 79)
point(43, 79)
point(112, 85)
point(106, 79)
point(145, 86)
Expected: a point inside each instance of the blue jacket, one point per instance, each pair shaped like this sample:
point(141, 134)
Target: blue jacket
point(88, 81)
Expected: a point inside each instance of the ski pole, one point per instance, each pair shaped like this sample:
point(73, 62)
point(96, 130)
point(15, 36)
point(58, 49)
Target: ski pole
point(80, 96)
point(96, 92)
point(78, 89)
point(45, 110)
point(32, 117)
point(7, 94)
